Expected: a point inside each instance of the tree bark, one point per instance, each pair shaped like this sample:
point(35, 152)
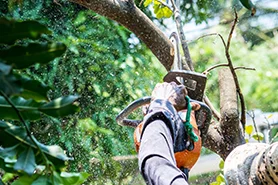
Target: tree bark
point(223, 136)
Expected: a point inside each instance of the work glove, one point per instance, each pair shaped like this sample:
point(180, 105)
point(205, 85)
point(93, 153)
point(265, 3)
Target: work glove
point(167, 99)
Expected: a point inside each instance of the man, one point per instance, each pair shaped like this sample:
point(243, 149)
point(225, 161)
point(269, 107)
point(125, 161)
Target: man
point(162, 133)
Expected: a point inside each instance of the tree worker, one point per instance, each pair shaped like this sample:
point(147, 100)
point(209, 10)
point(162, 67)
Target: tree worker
point(163, 144)
point(162, 134)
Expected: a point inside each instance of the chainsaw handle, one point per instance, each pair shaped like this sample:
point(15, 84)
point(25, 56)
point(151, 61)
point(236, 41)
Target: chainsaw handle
point(121, 118)
point(203, 115)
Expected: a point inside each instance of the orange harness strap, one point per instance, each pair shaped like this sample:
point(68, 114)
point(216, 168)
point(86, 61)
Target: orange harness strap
point(185, 158)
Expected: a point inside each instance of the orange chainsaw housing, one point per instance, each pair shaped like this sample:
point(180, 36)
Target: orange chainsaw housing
point(185, 158)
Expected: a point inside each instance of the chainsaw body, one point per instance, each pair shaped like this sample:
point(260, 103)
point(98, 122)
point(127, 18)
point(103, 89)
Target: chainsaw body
point(200, 119)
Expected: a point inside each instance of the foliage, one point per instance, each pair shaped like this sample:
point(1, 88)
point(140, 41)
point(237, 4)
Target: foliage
point(198, 10)
point(25, 99)
point(220, 179)
point(160, 10)
point(261, 82)
point(250, 134)
point(109, 67)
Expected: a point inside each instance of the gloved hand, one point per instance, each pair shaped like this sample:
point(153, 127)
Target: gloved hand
point(172, 92)
point(175, 94)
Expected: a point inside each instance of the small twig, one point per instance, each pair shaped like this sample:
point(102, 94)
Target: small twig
point(215, 113)
point(211, 34)
point(245, 68)
point(243, 117)
point(222, 65)
point(56, 2)
point(213, 67)
point(140, 4)
point(26, 128)
point(252, 115)
point(232, 30)
point(267, 121)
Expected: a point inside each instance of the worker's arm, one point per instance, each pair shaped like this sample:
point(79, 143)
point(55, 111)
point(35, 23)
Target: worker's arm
point(156, 155)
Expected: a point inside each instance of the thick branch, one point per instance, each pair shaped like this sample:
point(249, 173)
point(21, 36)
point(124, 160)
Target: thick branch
point(224, 136)
point(229, 122)
point(126, 13)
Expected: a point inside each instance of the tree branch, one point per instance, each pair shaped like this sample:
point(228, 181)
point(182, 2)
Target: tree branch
point(213, 67)
point(211, 34)
point(215, 113)
point(182, 36)
point(245, 68)
point(241, 97)
point(126, 13)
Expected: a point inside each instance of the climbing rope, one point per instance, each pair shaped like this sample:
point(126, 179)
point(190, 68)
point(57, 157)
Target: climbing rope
point(187, 124)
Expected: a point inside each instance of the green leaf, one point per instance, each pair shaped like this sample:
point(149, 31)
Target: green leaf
point(167, 13)
point(26, 161)
point(74, 178)
point(5, 69)
point(25, 180)
point(28, 109)
point(221, 164)
point(54, 151)
point(220, 178)
point(269, 116)
point(156, 6)
point(274, 138)
point(8, 176)
point(249, 5)
point(11, 135)
point(249, 129)
point(159, 14)
point(9, 84)
point(80, 19)
point(33, 89)
point(9, 154)
point(24, 56)
point(90, 125)
point(60, 107)
point(57, 180)
point(147, 2)
point(12, 84)
point(42, 180)
point(14, 30)
point(258, 136)
point(161, 11)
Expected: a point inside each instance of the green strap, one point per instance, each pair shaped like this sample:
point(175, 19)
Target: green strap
point(187, 125)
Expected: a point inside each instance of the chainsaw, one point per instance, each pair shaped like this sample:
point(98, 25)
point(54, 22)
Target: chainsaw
point(195, 85)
